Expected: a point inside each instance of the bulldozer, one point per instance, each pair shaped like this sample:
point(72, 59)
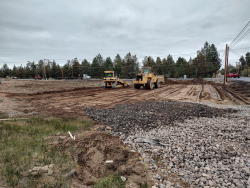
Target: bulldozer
point(147, 79)
point(112, 80)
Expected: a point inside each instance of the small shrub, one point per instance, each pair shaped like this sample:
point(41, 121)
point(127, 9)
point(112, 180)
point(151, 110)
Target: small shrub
point(112, 181)
point(143, 185)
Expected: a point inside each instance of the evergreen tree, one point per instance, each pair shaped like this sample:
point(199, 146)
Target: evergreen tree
point(75, 65)
point(200, 63)
point(188, 69)
point(181, 69)
point(67, 70)
point(39, 69)
point(148, 61)
point(108, 64)
point(131, 66)
point(85, 67)
point(27, 71)
point(5, 71)
point(55, 70)
point(21, 72)
point(169, 66)
point(14, 71)
point(212, 56)
point(118, 64)
point(97, 67)
point(159, 69)
point(180, 61)
point(32, 67)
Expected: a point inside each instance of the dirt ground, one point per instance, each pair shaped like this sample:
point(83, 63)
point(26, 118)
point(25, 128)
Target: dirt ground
point(92, 149)
point(68, 98)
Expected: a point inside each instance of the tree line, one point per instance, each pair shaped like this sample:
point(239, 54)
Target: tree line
point(204, 64)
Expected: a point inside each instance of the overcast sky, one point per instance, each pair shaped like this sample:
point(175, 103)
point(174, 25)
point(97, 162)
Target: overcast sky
point(65, 29)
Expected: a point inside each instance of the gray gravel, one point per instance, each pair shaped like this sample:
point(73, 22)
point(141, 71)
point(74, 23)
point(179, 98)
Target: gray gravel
point(205, 150)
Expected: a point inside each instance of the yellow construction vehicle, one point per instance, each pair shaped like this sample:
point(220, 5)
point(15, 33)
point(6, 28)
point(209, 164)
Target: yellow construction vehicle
point(111, 80)
point(146, 79)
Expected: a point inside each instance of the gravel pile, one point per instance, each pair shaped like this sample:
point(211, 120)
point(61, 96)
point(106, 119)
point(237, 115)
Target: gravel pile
point(206, 146)
point(128, 118)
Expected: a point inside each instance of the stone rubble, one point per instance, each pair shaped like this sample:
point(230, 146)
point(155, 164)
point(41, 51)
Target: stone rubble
point(208, 147)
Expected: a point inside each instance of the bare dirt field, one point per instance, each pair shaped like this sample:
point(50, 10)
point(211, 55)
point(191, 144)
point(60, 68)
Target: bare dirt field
point(93, 147)
point(68, 98)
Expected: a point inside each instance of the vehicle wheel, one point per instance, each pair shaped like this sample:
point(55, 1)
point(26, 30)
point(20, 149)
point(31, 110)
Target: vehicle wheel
point(234, 76)
point(103, 84)
point(157, 84)
point(150, 84)
point(137, 86)
point(238, 76)
point(113, 85)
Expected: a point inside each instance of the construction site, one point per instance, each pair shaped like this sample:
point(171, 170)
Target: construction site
point(125, 94)
point(136, 129)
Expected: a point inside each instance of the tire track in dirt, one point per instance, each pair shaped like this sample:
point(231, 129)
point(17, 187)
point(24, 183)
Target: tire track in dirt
point(175, 92)
point(172, 90)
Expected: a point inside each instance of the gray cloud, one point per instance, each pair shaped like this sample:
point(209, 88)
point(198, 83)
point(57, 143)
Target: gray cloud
point(33, 30)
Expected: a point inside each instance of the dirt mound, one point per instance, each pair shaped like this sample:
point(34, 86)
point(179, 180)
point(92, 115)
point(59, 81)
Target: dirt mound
point(169, 81)
point(92, 149)
point(186, 82)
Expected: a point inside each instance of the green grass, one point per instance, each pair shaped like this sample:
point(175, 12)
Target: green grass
point(3, 115)
point(143, 185)
point(22, 146)
point(112, 181)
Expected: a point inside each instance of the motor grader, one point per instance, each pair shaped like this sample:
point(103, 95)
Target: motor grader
point(112, 80)
point(146, 79)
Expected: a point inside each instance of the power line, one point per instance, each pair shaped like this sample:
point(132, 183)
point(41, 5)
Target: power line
point(239, 33)
point(144, 56)
point(246, 33)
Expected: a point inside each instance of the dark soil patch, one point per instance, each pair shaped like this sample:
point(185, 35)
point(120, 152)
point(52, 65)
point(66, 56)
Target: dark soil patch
point(92, 149)
point(128, 118)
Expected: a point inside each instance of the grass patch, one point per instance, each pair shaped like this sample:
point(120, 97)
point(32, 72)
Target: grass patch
point(3, 115)
point(143, 185)
point(22, 146)
point(112, 181)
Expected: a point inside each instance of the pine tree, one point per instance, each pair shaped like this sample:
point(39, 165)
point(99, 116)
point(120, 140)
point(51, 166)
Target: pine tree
point(118, 64)
point(75, 65)
point(159, 66)
point(97, 67)
point(85, 67)
point(169, 66)
point(108, 64)
point(200, 63)
point(5, 71)
point(189, 71)
point(131, 66)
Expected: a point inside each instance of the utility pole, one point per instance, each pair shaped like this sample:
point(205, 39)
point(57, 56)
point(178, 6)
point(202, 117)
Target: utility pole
point(241, 69)
point(227, 60)
point(44, 69)
point(247, 69)
point(62, 73)
point(225, 72)
point(238, 63)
